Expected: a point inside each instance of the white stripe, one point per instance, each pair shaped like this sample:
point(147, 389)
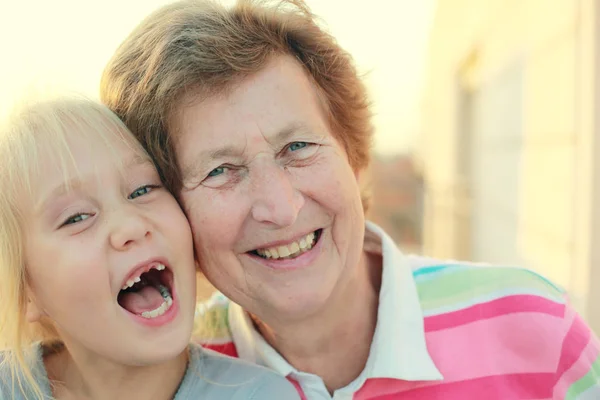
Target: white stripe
point(593, 393)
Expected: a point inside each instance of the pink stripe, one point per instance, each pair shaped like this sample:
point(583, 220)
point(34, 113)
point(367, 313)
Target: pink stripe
point(503, 387)
point(576, 340)
point(495, 308)
point(298, 388)
point(509, 344)
point(578, 369)
point(381, 388)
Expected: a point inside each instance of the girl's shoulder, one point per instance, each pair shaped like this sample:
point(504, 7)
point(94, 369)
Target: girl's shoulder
point(212, 375)
point(13, 383)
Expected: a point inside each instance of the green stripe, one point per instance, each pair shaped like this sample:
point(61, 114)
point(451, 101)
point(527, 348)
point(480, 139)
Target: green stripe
point(590, 379)
point(466, 285)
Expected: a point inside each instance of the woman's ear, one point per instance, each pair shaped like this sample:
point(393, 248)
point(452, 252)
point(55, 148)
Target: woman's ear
point(358, 174)
point(33, 312)
point(364, 179)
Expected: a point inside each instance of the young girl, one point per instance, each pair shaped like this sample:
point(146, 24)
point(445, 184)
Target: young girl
point(97, 275)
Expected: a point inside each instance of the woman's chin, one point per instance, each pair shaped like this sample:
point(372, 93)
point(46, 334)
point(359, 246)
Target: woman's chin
point(297, 304)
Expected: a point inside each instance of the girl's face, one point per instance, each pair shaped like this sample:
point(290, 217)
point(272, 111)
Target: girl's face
point(109, 256)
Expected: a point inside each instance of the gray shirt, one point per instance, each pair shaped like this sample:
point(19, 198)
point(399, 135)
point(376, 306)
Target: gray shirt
point(209, 375)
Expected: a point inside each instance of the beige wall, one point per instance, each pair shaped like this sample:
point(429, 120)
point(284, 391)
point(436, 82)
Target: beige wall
point(471, 41)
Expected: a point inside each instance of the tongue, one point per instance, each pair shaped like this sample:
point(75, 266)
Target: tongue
point(147, 298)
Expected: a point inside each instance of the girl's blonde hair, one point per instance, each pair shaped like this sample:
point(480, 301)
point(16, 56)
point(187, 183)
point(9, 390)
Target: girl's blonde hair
point(34, 130)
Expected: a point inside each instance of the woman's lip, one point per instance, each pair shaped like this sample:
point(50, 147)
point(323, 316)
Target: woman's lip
point(302, 261)
point(285, 242)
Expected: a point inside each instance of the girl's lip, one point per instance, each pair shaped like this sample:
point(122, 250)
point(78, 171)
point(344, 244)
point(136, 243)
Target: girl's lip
point(164, 319)
point(143, 267)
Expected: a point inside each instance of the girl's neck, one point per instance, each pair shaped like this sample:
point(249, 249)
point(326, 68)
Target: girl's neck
point(80, 375)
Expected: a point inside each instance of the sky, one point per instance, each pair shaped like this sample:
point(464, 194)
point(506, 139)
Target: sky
point(64, 45)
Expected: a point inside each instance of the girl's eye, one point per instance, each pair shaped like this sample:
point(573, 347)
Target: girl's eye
point(141, 191)
point(76, 218)
point(217, 171)
point(297, 146)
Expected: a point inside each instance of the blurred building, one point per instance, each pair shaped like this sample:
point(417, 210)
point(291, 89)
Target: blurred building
point(511, 133)
point(397, 204)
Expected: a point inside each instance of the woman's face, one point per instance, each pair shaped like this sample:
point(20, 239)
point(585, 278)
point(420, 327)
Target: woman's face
point(273, 203)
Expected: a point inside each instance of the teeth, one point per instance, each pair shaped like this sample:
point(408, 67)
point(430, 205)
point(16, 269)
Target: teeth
point(283, 251)
point(131, 282)
point(303, 243)
point(164, 307)
point(164, 292)
point(291, 250)
point(294, 247)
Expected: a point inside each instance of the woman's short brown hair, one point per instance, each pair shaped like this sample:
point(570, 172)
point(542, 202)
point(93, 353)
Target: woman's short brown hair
point(204, 48)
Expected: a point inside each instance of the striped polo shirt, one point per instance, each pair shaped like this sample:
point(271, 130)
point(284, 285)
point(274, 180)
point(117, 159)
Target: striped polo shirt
point(445, 330)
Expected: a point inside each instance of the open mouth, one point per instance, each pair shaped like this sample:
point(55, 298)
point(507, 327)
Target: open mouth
point(149, 294)
point(291, 250)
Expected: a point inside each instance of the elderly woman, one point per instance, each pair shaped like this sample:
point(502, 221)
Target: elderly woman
point(259, 123)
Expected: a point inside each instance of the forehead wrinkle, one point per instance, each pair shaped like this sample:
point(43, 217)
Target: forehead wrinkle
point(203, 158)
point(285, 134)
point(265, 138)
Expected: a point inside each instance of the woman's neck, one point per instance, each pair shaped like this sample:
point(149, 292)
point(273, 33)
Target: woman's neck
point(76, 374)
point(334, 344)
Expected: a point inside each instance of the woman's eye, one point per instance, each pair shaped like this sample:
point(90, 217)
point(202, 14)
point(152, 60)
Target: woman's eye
point(300, 151)
point(222, 176)
point(217, 171)
point(141, 191)
point(73, 219)
point(297, 146)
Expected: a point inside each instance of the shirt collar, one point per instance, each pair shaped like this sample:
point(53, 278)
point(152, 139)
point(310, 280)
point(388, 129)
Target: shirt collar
point(398, 350)
point(250, 344)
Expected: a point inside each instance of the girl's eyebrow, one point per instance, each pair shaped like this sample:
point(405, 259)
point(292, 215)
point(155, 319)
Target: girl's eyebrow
point(77, 182)
point(57, 192)
point(137, 160)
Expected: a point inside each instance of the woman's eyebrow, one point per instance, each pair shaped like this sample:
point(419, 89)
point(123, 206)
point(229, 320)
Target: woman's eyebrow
point(206, 156)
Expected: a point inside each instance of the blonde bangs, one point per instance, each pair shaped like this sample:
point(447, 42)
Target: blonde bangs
point(42, 130)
